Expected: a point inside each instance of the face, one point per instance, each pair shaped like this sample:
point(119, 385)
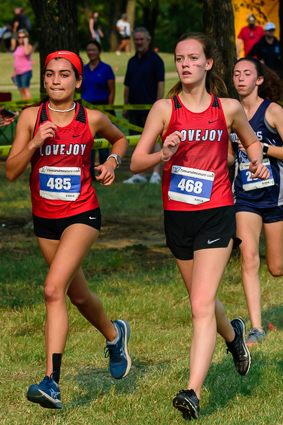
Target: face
point(191, 63)
point(93, 52)
point(270, 33)
point(21, 37)
point(251, 22)
point(141, 42)
point(245, 78)
point(60, 79)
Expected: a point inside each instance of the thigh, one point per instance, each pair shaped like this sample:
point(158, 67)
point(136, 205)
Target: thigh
point(273, 241)
point(208, 269)
point(65, 257)
point(249, 227)
point(26, 77)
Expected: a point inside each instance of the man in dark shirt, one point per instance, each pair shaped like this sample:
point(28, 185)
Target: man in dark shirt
point(144, 84)
point(19, 23)
point(267, 50)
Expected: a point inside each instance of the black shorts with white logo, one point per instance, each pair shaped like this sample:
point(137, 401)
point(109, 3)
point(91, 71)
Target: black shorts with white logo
point(52, 228)
point(189, 231)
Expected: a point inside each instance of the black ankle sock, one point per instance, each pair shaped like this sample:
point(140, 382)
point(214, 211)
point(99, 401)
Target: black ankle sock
point(56, 359)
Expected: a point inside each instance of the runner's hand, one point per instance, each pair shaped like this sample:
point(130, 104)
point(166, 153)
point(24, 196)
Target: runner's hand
point(106, 175)
point(170, 145)
point(259, 171)
point(45, 131)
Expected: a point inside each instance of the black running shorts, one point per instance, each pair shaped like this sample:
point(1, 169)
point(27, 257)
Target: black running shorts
point(189, 231)
point(52, 228)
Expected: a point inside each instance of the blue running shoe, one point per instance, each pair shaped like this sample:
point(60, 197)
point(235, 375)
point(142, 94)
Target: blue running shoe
point(47, 393)
point(119, 359)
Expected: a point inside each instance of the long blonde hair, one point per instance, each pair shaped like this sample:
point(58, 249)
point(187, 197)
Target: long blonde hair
point(213, 83)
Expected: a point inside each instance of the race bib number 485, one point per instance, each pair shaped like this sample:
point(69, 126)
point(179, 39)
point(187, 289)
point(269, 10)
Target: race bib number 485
point(190, 185)
point(61, 183)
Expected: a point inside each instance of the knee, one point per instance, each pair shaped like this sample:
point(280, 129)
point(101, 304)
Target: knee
point(201, 310)
point(51, 292)
point(78, 300)
point(250, 261)
point(275, 269)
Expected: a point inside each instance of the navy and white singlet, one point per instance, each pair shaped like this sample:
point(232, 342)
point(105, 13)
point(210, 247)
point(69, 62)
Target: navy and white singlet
point(267, 197)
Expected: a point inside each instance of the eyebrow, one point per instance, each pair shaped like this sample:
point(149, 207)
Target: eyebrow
point(61, 70)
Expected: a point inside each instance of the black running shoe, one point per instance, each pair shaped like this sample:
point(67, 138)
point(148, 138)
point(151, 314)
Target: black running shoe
point(239, 349)
point(187, 402)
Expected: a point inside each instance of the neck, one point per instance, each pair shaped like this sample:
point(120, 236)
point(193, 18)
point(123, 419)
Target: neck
point(60, 107)
point(196, 98)
point(250, 103)
point(142, 53)
point(93, 63)
point(268, 39)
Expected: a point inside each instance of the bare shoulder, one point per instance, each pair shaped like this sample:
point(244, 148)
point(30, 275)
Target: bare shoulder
point(274, 108)
point(230, 105)
point(162, 109)
point(94, 116)
point(28, 116)
point(163, 105)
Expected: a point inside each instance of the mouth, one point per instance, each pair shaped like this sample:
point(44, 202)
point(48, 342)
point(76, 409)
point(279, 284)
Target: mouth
point(241, 87)
point(56, 89)
point(186, 73)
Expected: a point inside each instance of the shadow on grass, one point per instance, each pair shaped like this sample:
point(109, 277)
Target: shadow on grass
point(94, 383)
point(274, 316)
point(224, 384)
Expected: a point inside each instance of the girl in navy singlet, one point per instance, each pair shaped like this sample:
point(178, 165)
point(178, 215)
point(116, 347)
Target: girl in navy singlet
point(199, 213)
point(259, 204)
point(56, 137)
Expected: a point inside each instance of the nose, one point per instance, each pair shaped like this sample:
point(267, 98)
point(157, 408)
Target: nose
point(56, 79)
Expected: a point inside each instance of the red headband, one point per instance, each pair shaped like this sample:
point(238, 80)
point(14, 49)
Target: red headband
point(70, 56)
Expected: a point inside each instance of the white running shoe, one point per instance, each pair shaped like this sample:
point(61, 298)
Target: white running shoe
point(155, 178)
point(118, 53)
point(138, 178)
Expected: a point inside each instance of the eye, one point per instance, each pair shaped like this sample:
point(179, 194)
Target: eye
point(178, 59)
point(48, 74)
point(194, 58)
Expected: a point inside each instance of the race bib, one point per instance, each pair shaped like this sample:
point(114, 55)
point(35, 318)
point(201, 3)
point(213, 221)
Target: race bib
point(190, 185)
point(60, 183)
point(251, 184)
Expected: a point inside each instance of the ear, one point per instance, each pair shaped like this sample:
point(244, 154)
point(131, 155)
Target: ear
point(209, 64)
point(259, 81)
point(79, 82)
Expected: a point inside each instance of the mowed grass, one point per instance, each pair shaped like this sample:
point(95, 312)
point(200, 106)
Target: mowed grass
point(143, 287)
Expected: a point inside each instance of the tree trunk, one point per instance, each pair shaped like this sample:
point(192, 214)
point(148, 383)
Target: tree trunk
point(56, 25)
point(117, 8)
point(218, 19)
point(131, 5)
point(150, 14)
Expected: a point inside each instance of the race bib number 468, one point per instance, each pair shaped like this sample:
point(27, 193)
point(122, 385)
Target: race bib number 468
point(61, 183)
point(190, 185)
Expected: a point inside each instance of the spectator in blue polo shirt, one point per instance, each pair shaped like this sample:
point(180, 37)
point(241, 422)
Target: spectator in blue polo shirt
point(144, 84)
point(98, 88)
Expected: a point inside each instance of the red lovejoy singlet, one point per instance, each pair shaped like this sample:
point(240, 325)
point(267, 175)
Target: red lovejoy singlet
point(60, 162)
point(204, 148)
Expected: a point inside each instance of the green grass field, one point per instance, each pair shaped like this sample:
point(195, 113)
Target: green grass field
point(140, 283)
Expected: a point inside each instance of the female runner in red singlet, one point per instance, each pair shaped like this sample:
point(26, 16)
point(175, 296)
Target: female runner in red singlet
point(199, 213)
point(57, 137)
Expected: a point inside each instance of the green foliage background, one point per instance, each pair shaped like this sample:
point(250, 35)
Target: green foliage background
point(175, 17)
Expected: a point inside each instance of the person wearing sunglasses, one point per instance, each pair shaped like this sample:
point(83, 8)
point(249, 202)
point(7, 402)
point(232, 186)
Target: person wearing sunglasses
point(22, 64)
